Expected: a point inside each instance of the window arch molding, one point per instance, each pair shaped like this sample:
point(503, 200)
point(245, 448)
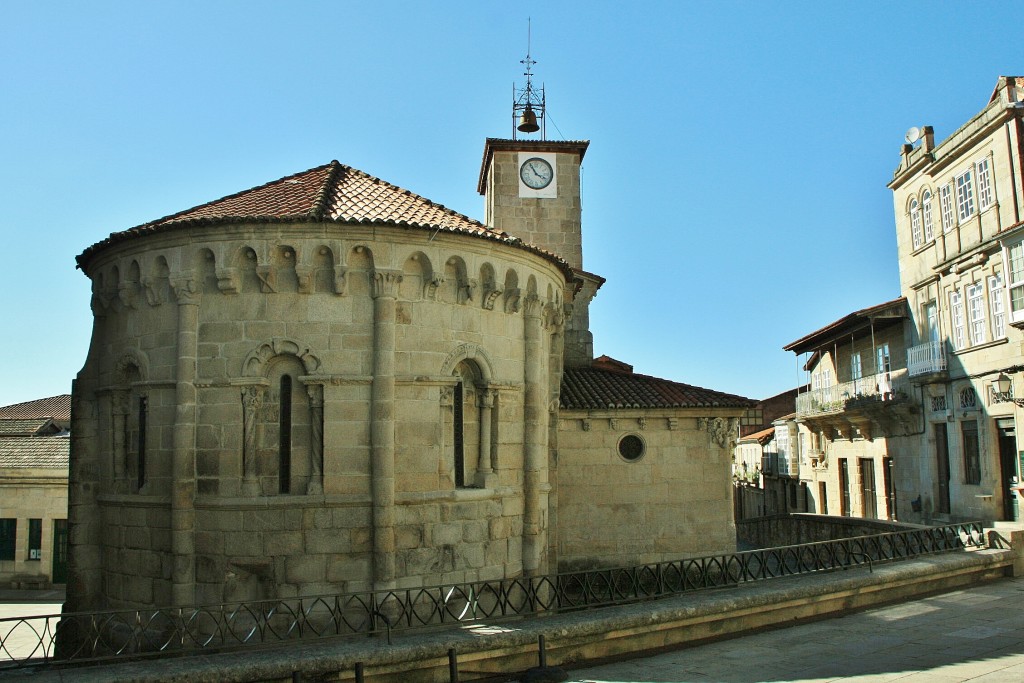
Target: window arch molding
point(471, 352)
point(256, 363)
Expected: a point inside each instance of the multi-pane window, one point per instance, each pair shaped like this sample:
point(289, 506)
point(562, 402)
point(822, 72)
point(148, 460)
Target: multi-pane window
point(856, 372)
point(972, 457)
point(956, 313)
point(986, 197)
point(915, 224)
point(946, 206)
point(996, 306)
point(931, 314)
point(964, 196)
point(926, 212)
point(976, 311)
point(1015, 277)
point(882, 362)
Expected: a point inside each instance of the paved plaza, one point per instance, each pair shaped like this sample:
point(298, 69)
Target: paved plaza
point(976, 634)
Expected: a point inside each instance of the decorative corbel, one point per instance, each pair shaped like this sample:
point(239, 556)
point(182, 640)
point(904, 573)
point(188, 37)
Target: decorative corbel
point(430, 286)
point(512, 300)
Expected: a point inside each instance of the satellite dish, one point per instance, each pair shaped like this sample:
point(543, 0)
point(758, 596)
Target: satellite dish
point(913, 135)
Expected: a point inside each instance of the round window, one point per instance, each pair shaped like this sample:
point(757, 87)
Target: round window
point(631, 447)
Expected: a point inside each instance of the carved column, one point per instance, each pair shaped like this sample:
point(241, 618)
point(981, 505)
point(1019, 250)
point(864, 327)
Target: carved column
point(382, 425)
point(485, 476)
point(119, 426)
point(183, 467)
point(535, 413)
point(252, 400)
point(316, 439)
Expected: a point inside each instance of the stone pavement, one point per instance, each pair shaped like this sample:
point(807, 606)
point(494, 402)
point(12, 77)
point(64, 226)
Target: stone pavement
point(975, 634)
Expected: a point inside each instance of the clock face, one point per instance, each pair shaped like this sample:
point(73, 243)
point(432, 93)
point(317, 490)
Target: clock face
point(536, 173)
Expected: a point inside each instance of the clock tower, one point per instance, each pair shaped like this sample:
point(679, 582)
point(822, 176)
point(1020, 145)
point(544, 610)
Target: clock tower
point(531, 191)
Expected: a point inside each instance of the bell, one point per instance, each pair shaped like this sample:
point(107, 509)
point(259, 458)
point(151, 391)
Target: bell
point(528, 121)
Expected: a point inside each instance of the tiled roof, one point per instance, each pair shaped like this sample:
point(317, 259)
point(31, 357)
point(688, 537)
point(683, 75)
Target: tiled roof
point(600, 388)
point(41, 452)
point(332, 192)
point(15, 427)
point(762, 437)
point(57, 407)
point(890, 311)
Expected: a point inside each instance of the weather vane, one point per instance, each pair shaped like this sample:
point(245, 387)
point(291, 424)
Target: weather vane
point(528, 103)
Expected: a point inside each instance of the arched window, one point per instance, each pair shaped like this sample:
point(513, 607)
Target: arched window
point(915, 223)
point(284, 425)
point(458, 436)
point(141, 416)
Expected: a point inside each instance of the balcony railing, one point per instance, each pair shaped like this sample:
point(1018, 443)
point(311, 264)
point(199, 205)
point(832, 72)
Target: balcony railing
point(926, 358)
point(826, 400)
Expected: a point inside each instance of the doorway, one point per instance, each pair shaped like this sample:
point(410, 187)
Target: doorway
point(867, 488)
point(1007, 464)
point(942, 468)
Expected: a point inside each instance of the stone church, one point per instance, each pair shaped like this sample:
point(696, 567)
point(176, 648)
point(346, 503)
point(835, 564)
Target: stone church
point(330, 384)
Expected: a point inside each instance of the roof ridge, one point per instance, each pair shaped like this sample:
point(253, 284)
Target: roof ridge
point(320, 205)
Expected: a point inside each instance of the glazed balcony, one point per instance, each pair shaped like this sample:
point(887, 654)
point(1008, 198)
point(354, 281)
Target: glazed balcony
point(926, 359)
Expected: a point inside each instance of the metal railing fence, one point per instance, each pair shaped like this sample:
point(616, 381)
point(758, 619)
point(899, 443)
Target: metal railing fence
point(132, 633)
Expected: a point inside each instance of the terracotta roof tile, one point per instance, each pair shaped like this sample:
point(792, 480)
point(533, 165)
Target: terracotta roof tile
point(42, 452)
point(332, 192)
point(31, 427)
point(57, 407)
point(598, 388)
point(762, 437)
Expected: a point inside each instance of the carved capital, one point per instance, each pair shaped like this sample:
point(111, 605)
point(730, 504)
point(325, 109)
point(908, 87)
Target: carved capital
point(385, 283)
point(722, 431)
point(316, 395)
point(486, 398)
point(532, 306)
point(447, 397)
point(186, 290)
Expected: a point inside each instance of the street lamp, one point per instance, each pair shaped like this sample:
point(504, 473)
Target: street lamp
point(1002, 386)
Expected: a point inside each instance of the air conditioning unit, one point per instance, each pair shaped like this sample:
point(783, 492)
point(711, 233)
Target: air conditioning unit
point(35, 553)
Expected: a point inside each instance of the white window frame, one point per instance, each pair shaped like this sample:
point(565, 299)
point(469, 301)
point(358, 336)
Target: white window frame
point(926, 212)
point(975, 295)
point(997, 306)
point(946, 206)
point(883, 363)
point(986, 193)
point(915, 223)
point(964, 195)
point(931, 317)
point(1013, 258)
point(956, 318)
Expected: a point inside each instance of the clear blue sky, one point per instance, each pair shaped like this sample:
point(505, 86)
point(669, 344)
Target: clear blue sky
point(733, 194)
